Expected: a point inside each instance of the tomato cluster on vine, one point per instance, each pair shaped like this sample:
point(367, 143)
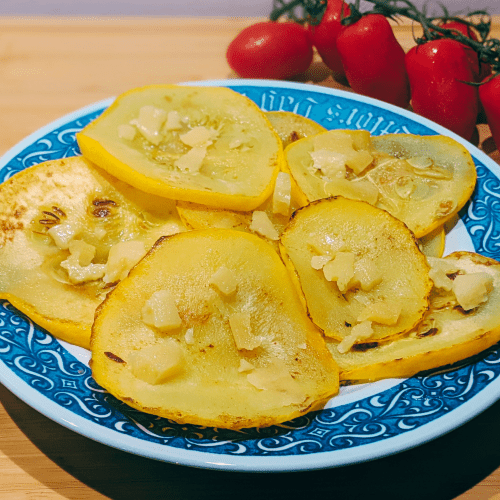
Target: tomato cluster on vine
point(451, 72)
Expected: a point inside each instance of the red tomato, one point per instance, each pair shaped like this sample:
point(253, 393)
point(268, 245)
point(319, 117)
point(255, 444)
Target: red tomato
point(373, 60)
point(482, 70)
point(437, 72)
point(324, 35)
point(460, 27)
point(270, 50)
point(489, 93)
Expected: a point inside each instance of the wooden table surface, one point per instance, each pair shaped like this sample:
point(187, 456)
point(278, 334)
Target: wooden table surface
point(50, 67)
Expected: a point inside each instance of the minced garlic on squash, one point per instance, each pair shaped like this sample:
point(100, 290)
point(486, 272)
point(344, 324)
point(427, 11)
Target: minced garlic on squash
point(254, 359)
point(372, 257)
point(208, 145)
point(422, 180)
point(447, 333)
point(74, 232)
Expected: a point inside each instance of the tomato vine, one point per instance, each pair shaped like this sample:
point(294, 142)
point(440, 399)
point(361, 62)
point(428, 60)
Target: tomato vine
point(488, 49)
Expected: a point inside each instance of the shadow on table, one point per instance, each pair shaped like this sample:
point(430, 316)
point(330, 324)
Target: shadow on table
point(441, 469)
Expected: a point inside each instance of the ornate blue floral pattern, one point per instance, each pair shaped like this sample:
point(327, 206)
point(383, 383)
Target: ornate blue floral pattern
point(36, 358)
point(59, 143)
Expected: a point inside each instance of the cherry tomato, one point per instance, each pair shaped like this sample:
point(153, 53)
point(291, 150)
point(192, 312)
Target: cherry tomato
point(270, 50)
point(438, 71)
point(489, 93)
point(373, 60)
point(324, 35)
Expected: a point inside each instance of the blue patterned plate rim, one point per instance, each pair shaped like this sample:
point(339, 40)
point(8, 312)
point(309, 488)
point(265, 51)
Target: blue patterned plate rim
point(355, 427)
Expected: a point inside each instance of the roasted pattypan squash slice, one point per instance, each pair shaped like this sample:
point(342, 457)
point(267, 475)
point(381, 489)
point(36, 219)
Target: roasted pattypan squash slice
point(421, 180)
point(199, 144)
point(360, 269)
point(69, 233)
point(267, 221)
point(208, 329)
point(292, 127)
point(461, 322)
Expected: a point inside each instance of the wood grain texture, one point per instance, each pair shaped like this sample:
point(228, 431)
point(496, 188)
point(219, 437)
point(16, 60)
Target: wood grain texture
point(50, 67)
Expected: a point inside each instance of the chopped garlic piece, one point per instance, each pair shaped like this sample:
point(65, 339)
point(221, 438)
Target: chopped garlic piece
point(263, 226)
point(319, 261)
point(126, 132)
point(149, 123)
point(282, 195)
point(358, 161)
point(161, 312)
point(241, 329)
point(173, 121)
point(79, 264)
point(245, 366)
point(326, 245)
point(189, 336)
point(84, 251)
point(157, 363)
point(381, 312)
point(78, 274)
point(361, 331)
point(197, 136)
point(341, 147)
point(63, 233)
point(340, 269)
point(122, 258)
point(330, 163)
point(439, 270)
point(471, 290)
point(269, 376)
point(192, 161)
point(362, 299)
point(224, 280)
point(367, 274)
point(363, 190)
point(277, 378)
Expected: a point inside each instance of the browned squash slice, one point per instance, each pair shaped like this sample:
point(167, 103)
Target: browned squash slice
point(208, 329)
point(447, 334)
point(360, 269)
point(292, 127)
point(69, 233)
point(199, 144)
point(422, 180)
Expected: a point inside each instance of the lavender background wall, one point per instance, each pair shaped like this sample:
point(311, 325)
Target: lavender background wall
point(190, 7)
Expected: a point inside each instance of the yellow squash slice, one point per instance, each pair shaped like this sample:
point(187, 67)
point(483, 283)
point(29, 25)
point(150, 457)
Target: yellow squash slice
point(199, 144)
point(292, 127)
point(446, 335)
point(432, 244)
point(69, 232)
point(236, 348)
point(421, 180)
point(360, 269)
point(267, 221)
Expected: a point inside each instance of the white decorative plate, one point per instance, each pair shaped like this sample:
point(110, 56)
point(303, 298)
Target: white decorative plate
point(362, 423)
